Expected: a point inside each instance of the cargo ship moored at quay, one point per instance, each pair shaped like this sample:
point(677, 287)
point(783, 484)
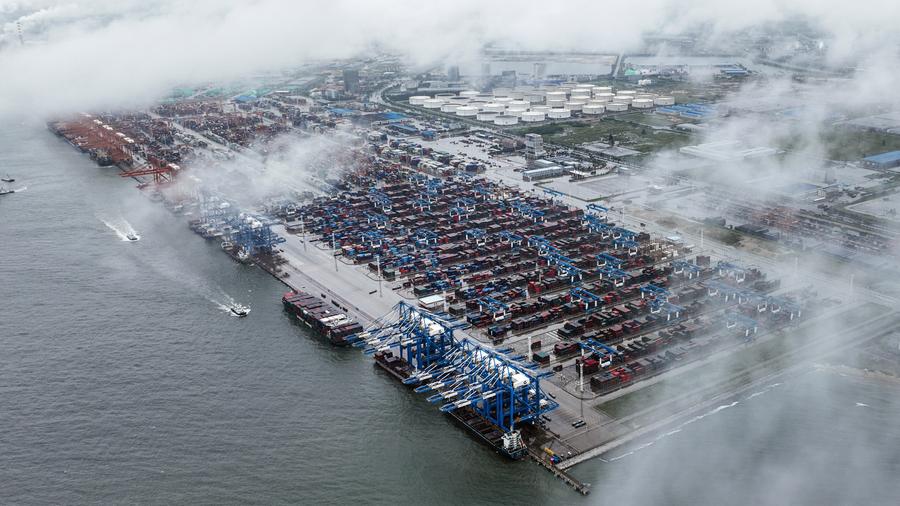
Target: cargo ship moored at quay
point(321, 316)
point(509, 445)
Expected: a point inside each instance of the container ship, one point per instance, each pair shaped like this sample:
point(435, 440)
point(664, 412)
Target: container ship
point(321, 316)
point(508, 445)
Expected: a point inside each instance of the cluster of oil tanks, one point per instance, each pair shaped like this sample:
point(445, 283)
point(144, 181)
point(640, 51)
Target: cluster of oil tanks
point(509, 106)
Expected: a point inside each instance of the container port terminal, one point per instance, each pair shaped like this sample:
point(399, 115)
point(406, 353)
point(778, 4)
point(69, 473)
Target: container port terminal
point(520, 285)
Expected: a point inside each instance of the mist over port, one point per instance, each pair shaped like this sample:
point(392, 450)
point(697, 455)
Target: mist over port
point(653, 249)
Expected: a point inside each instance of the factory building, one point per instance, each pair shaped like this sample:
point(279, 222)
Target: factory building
point(727, 151)
point(883, 161)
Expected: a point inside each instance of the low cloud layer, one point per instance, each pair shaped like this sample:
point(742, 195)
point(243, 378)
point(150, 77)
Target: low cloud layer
point(103, 53)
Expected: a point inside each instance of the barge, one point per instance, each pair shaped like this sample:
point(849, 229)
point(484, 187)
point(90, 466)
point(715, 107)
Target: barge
point(321, 316)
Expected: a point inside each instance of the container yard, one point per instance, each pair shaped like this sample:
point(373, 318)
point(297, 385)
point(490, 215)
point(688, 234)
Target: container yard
point(517, 308)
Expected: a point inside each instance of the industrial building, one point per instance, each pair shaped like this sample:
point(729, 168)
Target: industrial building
point(883, 161)
point(727, 151)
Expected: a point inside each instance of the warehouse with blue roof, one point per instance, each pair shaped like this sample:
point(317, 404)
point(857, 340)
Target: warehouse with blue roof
point(883, 161)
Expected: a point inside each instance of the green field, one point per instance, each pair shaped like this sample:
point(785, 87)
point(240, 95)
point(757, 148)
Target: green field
point(843, 143)
point(638, 137)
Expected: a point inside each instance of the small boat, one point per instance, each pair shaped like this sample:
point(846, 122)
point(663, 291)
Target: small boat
point(7, 179)
point(239, 310)
point(132, 237)
point(4, 191)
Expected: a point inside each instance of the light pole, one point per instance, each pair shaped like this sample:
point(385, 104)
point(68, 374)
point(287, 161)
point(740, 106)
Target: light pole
point(303, 232)
point(334, 251)
point(378, 258)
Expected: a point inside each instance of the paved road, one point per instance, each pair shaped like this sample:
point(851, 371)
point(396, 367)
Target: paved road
point(312, 269)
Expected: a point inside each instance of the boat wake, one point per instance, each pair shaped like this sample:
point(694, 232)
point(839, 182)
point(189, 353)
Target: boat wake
point(224, 302)
point(122, 228)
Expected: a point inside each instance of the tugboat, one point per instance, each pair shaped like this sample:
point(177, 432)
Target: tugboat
point(7, 179)
point(5, 191)
point(131, 237)
point(239, 310)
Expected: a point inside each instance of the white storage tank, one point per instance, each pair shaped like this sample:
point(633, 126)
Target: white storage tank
point(642, 103)
point(533, 98)
point(664, 101)
point(466, 110)
point(504, 120)
point(626, 92)
point(445, 95)
point(623, 99)
point(517, 94)
point(448, 107)
point(433, 103)
point(486, 116)
point(593, 109)
point(458, 100)
point(601, 89)
point(559, 113)
point(574, 106)
point(468, 93)
point(503, 100)
point(418, 99)
point(515, 112)
point(518, 105)
point(555, 95)
point(532, 116)
point(493, 107)
point(541, 108)
point(502, 92)
point(616, 107)
point(604, 97)
point(556, 103)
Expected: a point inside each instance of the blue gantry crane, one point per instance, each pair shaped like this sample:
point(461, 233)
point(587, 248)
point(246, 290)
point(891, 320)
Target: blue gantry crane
point(734, 319)
point(779, 304)
point(253, 235)
point(478, 235)
point(617, 276)
point(605, 259)
point(603, 352)
point(380, 199)
point(527, 210)
point(514, 240)
point(554, 194)
point(687, 268)
point(731, 270)
point(458, 373)
point(425, 237)
point(598, 211)
point(628, 245)
point(466, 203)
point(715, 287)
point(590, 300)
point(494, 307)
point(597, 225)
point(377, 219)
